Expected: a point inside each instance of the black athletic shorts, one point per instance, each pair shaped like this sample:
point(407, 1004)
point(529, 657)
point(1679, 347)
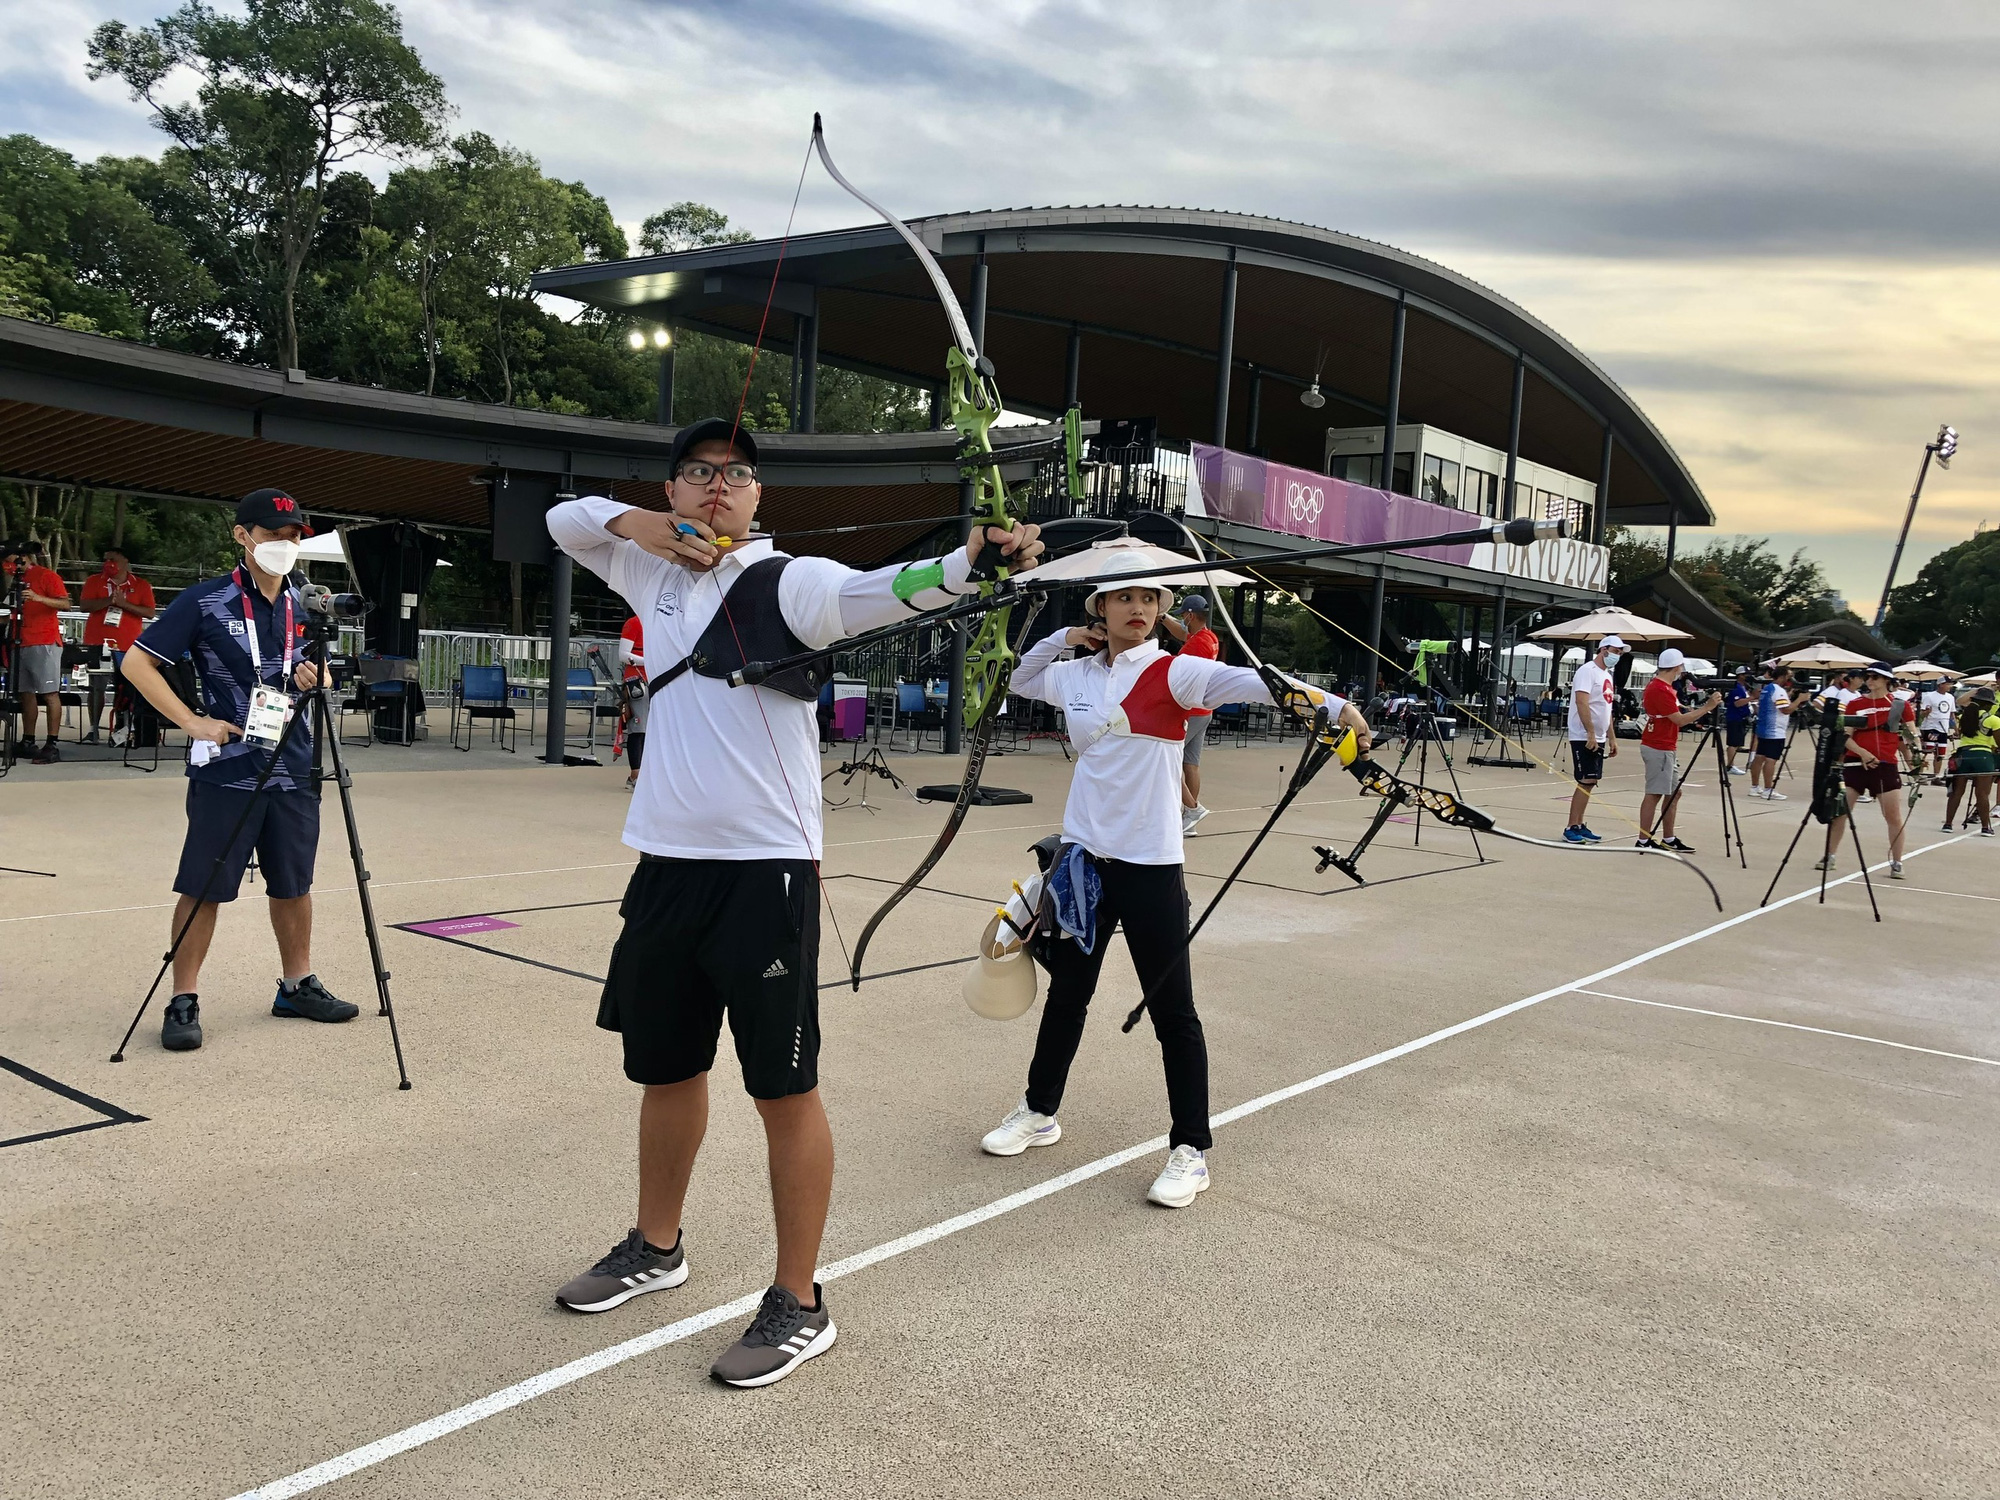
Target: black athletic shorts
point(709, 937)
point(635, 746)
point(283, 829)
point(1738, 731)
point(1587, 763)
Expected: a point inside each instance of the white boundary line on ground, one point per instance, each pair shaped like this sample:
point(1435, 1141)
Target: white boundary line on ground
point(1852, 1036)
point(508, 1397)
point(1922, 890)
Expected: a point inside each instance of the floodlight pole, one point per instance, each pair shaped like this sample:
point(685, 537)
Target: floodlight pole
point(1896, 557)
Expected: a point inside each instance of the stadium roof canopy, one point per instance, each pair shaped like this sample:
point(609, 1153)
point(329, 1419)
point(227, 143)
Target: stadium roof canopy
point(1136, 302)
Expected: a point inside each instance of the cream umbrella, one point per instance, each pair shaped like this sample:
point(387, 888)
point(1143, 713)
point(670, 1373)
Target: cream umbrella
point(1127, 554)
point(1825, 657)
point(1923, 671)
point(1984, 679)
point(1611, 620)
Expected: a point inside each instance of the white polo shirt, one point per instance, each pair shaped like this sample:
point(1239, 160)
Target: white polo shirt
point(731, 773)
point(1125, 795)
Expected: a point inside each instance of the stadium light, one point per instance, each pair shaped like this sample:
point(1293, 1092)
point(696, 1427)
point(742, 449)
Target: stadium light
point(661, 338)
point(1942, 449)
point(636, 339)
point(1311, 397)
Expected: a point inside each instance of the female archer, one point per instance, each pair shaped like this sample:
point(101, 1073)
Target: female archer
point(1127, 704)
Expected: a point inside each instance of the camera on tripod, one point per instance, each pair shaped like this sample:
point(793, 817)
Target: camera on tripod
point(327, 611)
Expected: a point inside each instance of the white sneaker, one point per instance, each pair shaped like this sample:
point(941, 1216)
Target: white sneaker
point(1826, 864)
point(1184, 1175)
point(1896, 869)
point(1022, 1128)
point(1738, 771)
point(1774, 795)
point(1191, 816)
point(1865, 798)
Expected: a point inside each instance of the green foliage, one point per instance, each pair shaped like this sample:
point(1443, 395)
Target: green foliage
point(288, 91)
point(1956, 595)
point(1744, 578)
point(684, 226)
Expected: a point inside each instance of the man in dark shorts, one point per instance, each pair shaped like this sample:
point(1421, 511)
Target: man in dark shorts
point(1870, 767)
point(1736, 716)
point(721, 918)
point(1592, 735)
point(244, 631)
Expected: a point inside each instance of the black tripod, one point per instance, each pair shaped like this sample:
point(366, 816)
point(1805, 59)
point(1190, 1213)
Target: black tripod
point(10, 659)
point(1731, 819)
point(864, 766)
point(1426, 732)
point(1829, 801)
point(320, 630)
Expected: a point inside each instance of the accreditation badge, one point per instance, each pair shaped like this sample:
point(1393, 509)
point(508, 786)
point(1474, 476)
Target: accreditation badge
point(269, 709)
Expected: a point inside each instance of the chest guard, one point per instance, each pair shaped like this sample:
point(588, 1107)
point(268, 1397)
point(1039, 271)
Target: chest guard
point(749, 627)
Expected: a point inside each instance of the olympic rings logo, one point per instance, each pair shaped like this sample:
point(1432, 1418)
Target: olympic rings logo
point(1304, 501)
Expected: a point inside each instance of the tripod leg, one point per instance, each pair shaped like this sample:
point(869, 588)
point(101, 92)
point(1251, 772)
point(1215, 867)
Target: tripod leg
point(1778, 874)
point(1866, 884)
point(1457, 792)
point(344, 783)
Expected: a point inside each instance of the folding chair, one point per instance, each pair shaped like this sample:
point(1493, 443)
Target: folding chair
point(481, 693)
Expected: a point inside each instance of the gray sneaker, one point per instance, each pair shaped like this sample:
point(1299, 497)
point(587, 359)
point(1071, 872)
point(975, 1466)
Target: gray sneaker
point(181, 1030)
point(632, 1268)
point(780, 1338)
point(309, 1000)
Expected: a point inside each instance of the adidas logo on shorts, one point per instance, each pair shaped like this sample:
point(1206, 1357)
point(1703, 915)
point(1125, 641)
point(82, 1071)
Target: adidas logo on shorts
point(777, 969)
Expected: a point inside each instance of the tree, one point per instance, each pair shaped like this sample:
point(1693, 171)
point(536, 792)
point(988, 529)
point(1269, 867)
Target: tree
point(288, 92)
point(521, 221)
point(1956, 595)
point(1743, 578)
point(687, 226)
point(426, 208)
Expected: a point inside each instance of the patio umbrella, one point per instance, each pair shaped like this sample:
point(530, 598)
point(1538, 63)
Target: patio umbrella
point(1130, 555)
point(1984, 679)
point(1923, 671)
point(1825, 657)
point(1609, 621)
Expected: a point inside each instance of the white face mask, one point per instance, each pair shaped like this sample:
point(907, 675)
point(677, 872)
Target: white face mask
point(276, 557)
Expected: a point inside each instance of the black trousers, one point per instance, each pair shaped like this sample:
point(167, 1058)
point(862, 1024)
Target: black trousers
point(1151, 903)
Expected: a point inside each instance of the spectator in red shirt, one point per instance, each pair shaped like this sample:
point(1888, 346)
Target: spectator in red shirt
point(1873, 748)
point(1196, 639)
point(632, 652)
point(119, 603)
point(37, 674)
point(1658, 745)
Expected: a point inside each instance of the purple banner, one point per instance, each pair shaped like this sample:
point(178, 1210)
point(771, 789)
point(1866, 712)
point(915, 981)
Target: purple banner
point(1255, 492)
point(457, 926)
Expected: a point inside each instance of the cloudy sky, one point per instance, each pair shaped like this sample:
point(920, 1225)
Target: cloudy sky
point(1777, 224)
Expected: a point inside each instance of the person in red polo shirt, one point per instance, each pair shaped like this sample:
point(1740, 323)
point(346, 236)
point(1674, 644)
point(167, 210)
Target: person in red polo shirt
point(632, 652)
point(1658, 747)
point(37, 667)
point(1873, 748)
point(119, 603)
point(1197, 640)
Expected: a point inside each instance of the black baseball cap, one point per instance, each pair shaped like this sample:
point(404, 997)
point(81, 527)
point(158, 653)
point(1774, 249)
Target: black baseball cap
point(710, 430)
point(1879, 669)
point(1195, 604)
point(271, 509)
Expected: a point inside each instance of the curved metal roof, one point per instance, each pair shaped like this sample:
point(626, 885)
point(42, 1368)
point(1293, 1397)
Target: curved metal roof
point(1141, 288)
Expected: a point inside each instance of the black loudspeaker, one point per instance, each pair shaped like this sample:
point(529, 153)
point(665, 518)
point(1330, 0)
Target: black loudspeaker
point(393, 563)
point(520, 504)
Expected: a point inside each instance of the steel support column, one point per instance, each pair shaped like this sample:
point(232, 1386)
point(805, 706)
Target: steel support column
point(809, 373)
point(1393, 407)
point(1256, 409)
point(663, 410)
point(1597, 521)
point(1514, 435)
point(559, 601)
point(1375, 633)
point(1225, 352)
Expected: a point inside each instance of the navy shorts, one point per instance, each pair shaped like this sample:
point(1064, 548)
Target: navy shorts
point(1738, 731)
point(283, 827)
point(1587, 763)
point(1771, 749)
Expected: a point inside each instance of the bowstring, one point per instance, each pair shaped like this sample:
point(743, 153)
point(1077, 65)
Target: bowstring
point(1549, 766)
point(756, 695)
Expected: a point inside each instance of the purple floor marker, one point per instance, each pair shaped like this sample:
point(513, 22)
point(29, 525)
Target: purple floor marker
point(457, 926)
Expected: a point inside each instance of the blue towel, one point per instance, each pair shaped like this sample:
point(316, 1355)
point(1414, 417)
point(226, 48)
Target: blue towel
point(1076, 888)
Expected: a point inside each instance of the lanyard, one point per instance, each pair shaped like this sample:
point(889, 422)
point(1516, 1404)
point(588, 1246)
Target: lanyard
point(250, 633)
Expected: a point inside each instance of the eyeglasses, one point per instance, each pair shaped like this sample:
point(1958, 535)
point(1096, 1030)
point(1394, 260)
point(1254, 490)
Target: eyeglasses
point(736, 476)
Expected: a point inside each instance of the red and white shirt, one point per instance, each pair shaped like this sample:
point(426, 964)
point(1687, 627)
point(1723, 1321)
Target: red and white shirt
point(1128, 720)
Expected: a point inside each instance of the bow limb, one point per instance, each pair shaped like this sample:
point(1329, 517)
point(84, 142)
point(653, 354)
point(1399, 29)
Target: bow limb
point(973, 404)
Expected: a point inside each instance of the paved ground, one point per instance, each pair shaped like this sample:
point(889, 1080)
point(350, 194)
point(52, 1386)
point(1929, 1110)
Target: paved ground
point(1601, 1243)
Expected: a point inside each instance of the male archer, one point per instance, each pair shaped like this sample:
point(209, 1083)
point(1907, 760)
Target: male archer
point(722, 913)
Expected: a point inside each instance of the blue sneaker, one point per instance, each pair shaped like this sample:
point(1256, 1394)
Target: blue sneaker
point(1574, 836)
point(1588, 836)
